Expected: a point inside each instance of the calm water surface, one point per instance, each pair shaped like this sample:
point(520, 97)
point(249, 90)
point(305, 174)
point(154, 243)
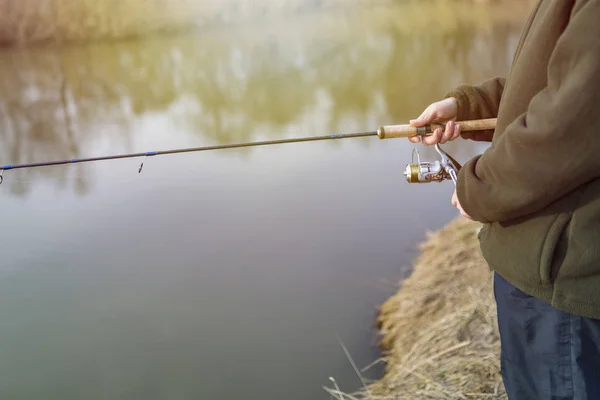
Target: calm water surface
point(226, 274)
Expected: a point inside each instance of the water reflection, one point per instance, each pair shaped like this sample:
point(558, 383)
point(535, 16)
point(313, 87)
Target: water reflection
point(233, 86)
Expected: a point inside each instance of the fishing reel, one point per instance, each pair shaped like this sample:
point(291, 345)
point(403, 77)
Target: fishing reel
point(437, 171)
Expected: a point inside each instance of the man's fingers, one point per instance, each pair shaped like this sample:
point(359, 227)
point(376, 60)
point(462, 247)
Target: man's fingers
point(451, 132)
point(456, 204)
point(421, 119)
point(454, 200)
point(444, 110)
point(456, 132)
point(434, 138)
point(448, 132)
point(426, 117)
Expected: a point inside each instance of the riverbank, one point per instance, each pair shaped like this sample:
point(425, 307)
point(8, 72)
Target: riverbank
point(439, 333)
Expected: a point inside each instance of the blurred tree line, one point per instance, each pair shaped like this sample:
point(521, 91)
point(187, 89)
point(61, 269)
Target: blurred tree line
point(33, 21)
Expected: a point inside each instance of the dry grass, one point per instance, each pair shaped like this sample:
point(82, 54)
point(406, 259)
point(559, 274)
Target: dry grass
point(439, 331)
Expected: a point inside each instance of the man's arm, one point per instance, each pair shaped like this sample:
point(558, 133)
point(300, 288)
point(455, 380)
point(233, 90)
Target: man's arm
point(553, 147)
point(478, 102)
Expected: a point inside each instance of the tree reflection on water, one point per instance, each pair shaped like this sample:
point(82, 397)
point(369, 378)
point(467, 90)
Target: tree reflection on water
point(232, 85)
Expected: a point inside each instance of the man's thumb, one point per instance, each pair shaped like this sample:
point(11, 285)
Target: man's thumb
point(422, 119)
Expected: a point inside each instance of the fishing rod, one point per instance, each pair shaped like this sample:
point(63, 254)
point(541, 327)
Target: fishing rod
point(419, 172)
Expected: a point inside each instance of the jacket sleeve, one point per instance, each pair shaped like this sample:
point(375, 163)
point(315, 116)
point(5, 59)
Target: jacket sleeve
point(478, 102)
point(552, 148)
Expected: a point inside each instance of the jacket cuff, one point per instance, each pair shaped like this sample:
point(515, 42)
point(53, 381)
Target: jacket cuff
point(467, 181)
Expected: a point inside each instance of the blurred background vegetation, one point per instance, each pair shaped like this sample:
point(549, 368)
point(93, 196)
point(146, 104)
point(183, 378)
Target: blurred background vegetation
point(32, 21)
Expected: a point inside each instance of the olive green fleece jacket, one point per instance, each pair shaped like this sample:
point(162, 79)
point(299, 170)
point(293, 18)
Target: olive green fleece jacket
point(537, 187)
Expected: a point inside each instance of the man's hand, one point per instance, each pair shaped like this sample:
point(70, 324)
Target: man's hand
point(441, 111)
point(456, 204)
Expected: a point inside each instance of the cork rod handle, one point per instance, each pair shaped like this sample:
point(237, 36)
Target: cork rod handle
point(407, 130)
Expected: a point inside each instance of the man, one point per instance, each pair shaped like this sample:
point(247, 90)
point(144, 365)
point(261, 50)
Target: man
point(536, 190)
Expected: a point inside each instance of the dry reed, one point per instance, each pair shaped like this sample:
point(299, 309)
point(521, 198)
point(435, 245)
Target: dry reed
point(439, 332)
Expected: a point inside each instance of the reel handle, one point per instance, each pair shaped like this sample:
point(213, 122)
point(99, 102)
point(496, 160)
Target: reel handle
point(407, 130)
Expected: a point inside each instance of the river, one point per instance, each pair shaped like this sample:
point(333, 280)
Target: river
point(226, 274)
